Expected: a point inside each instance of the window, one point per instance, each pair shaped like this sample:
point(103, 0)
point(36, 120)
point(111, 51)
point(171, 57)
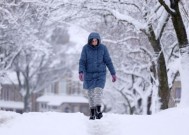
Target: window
point(178, 93)
point(43, 105)
point(56, 87)
point(54, 107)
point(63, 87)
point(67, 109)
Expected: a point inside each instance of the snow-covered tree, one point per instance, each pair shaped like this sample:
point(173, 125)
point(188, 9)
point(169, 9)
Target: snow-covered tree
point(22, 43)
point(27, 41)
point(173, 8)
point(9, 49)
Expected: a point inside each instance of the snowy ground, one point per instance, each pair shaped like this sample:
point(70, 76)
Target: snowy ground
point(169, 122)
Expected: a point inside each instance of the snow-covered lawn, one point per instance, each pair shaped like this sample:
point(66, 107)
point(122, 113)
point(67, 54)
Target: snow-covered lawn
point(169, 122)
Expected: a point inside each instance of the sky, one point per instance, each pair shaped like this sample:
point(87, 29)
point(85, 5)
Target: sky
point(168, 122)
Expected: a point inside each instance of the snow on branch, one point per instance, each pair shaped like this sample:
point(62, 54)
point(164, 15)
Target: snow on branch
point(8, 15)
point(120, 41)
point(122, 17)
point(13, 58)
point(161, 25)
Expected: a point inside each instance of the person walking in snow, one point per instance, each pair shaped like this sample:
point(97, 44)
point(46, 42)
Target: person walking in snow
point(92, 71)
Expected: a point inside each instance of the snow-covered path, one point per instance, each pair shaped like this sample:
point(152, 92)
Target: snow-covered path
point(170, 122)
point(104, 126)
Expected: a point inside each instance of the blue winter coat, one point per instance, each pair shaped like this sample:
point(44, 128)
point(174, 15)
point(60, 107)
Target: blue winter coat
point(93, 62)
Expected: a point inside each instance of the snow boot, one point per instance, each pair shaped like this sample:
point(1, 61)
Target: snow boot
point(98, 112)
point(92, 115)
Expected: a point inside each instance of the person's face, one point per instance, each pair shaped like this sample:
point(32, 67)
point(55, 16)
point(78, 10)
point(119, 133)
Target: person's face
point(94, 42)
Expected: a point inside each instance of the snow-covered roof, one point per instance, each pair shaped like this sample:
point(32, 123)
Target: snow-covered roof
point(56, 100)
point(11, 104)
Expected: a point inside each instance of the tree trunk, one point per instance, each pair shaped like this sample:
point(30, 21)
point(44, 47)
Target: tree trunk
point(184, 53)
point(161, 70)
point(26, 102)
point(184, 48)
point(179, 28)
point(164, 92)
point(27, 88)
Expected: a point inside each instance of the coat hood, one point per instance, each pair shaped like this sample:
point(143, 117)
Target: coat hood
point(94, 35)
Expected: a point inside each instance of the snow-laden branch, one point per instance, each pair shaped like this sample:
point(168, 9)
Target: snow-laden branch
point(3, 26)
point(122, 17)
point(185, 9)
point(138, 74)
point(13, 58)
point(8, 15)
point(120, 41)
point(162, 23)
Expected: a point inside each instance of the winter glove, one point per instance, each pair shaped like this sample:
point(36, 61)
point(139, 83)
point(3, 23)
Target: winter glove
point(114, 78)
point(81, 76)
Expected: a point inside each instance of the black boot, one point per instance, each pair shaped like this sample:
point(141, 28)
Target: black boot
point(98, 112)
point(92, 115)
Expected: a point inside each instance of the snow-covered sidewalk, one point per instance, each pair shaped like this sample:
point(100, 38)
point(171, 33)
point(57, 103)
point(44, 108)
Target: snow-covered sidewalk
point(169, 122)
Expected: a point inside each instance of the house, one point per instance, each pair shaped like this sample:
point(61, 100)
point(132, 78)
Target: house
point(63, 95)
point(10, 96)
point(63, 103)
point(175, 94)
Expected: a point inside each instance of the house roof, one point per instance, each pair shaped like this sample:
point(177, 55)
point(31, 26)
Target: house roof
point(56, 100)
point(11, 104)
